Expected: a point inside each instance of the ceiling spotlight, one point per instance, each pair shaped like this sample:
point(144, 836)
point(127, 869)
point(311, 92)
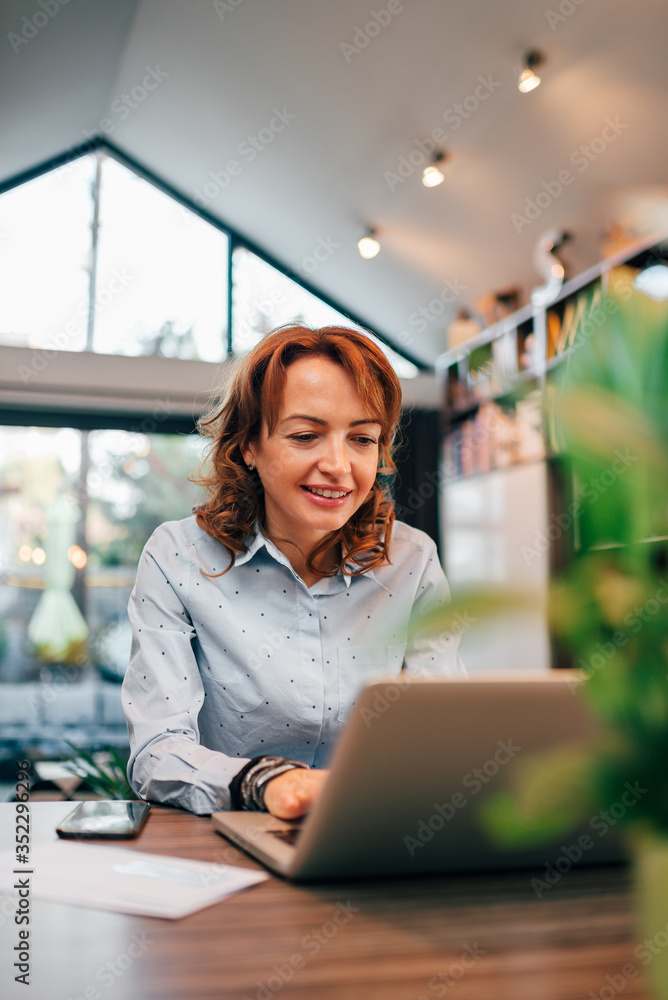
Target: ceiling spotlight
point(432, 175)
point(368, 246)
point(528, 80)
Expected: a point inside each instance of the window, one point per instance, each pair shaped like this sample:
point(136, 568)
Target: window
point(162, 274)
point(93, 257)
point(45, 245)
point(76, 508)
point(263, 298)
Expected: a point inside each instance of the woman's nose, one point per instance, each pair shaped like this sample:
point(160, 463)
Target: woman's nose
point(334, 459)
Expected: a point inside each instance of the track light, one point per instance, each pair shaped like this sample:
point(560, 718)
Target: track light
point(432, 175)
point(368, 245)
point(528, 80)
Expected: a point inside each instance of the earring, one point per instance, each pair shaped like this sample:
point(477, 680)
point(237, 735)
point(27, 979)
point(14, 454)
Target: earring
point(250, 466)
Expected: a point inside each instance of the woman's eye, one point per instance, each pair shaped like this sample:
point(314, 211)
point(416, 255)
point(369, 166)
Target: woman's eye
point(366, 441)
point(302, 437)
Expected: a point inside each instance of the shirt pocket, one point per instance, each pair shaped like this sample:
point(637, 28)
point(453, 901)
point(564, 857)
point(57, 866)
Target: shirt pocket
point(238, 694)
point(362, 665)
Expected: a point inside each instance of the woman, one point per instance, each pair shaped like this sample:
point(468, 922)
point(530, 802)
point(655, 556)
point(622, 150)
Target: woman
point(257, 620)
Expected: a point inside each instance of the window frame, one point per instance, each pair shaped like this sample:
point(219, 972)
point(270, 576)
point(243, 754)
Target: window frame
point(81, 388)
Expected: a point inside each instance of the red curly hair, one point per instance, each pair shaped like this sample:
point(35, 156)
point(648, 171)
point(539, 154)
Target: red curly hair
point(253, 395)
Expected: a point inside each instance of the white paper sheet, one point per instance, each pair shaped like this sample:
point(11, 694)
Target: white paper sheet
point(112, 878)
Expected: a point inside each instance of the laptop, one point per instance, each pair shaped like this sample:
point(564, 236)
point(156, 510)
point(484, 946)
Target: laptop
point(409, 773)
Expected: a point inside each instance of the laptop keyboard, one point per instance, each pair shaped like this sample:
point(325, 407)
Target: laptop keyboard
point(287, 836)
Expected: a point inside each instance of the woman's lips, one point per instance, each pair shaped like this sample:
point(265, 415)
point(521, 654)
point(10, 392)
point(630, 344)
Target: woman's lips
point(321, 501)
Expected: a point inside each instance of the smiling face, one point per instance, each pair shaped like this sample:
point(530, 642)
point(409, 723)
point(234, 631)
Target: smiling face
point(319, 463)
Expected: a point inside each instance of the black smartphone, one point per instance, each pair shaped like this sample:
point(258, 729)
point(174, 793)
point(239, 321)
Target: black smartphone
point(113, 820)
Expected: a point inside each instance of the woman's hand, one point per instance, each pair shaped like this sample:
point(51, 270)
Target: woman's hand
point(294, 793)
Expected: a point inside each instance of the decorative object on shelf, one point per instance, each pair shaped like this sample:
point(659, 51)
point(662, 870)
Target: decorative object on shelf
point(462, 328)
point(547, 263)
point(368, 245)
point(616, 239)
point(528, 79)
point(496, 305)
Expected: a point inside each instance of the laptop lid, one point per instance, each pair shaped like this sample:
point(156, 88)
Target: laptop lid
point(410, 772)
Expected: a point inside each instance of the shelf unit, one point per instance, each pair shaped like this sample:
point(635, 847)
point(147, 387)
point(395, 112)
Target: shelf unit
point(493, 385)
point(503, 488)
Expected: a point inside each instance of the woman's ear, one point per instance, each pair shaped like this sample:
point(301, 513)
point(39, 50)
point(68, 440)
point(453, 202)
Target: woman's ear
point(248, 454)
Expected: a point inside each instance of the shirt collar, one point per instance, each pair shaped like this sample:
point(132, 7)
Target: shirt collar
point(253, 545)
point(327, 585)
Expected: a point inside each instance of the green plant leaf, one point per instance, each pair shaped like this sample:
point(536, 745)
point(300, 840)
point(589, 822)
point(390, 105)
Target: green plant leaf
point(108, 779)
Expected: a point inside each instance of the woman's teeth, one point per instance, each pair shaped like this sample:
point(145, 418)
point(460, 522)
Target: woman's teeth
point(336, 494)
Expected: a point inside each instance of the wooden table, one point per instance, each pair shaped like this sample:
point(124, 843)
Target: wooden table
point(483, 936)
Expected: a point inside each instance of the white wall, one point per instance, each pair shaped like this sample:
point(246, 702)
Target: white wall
point(486, 521)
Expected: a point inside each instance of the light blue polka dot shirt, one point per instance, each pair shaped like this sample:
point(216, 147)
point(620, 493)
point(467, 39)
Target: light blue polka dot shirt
point(254, 662)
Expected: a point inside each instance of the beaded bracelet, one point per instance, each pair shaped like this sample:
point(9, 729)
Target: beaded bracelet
point(247, 788)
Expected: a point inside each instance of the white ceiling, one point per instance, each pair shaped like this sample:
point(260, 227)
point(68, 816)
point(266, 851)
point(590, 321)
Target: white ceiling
point(355, 114)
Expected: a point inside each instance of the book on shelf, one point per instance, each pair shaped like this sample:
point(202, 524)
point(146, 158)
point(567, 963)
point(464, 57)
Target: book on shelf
point(564, 330)
point(495, 438)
